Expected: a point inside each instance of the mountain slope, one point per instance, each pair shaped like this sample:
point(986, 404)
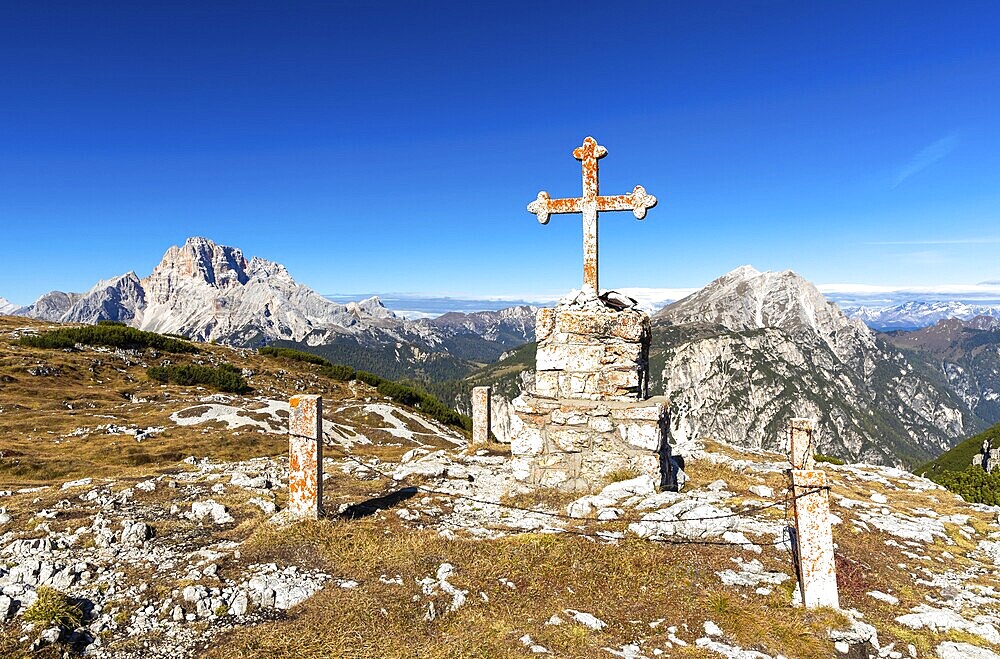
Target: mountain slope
point(752, 349)
point(7, 307)
point(959, 457)
point(967, 354)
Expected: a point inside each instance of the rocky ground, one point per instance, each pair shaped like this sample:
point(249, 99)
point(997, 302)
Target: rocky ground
point(161, 567)
point(428, 549)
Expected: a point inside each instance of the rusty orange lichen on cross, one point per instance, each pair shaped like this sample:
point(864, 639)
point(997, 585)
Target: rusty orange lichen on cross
point(590, 204)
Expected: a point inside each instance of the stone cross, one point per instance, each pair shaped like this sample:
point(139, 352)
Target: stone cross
point(589, 205)
point(305, 457)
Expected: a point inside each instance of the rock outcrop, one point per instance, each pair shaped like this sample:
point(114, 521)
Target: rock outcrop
point(752, 349)
point(7, 307)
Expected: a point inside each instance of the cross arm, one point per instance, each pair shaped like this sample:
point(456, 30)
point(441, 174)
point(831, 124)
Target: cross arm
point(543, 206)
point(638, 201)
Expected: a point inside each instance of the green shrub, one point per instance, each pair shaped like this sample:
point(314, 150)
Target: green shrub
point(332, 371)
point(411, 396)
point(369, 378)
point(974, 485)
point(828, 458)
point(224, 377)
point(295, 355)
point(399, 392)
point(105, 333)
point(53, 608)
point(338, 372)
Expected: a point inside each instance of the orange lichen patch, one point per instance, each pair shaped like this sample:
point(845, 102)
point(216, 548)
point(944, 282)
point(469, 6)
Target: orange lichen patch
point(564, 205)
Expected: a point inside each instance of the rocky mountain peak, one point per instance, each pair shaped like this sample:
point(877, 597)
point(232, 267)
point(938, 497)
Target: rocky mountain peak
point(200, 258)
point(747, 299)
point(7, 307)
point(372, 307)
point(120, 298)
point(265, 269)
point(985, 323)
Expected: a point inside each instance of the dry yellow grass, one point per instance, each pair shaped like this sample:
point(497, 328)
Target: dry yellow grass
point(91, 388)
point(627, 585)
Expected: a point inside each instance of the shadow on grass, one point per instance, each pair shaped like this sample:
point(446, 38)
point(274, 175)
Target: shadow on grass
point(372, 506)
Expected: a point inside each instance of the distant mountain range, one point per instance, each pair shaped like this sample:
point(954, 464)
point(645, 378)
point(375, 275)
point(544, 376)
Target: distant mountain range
point(883, 312)
point(914, 315)
point(736, 358)
point(210, 292)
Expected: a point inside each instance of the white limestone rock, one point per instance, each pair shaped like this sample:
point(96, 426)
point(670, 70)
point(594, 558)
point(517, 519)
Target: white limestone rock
point(211, 509)
point(641, 486)
point(588, 620)
point(938, 620)
point(953, 650)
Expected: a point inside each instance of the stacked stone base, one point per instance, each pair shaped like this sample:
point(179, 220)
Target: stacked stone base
point(592, 352)
point(573, 444)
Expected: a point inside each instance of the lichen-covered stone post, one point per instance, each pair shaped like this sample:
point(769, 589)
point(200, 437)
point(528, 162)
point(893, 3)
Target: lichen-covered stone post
point(801, 446)
point(814, 539)
point(813, 531)
point(481, 404)
point(305, 457)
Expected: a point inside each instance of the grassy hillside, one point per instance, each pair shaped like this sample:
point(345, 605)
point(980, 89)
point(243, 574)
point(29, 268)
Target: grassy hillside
point(96, 408)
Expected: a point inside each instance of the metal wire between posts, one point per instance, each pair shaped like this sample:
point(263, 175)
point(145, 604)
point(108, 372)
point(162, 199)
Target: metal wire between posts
point(747, 510)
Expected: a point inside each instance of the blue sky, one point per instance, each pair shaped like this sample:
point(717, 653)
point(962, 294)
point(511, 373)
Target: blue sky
point(393, 146)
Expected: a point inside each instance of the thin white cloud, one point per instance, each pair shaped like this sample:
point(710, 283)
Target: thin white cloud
point(985, 240)
point(985, 289)
point(925, 158)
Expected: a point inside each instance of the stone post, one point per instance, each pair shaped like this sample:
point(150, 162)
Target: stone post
point(814, 539)
point(801, 448)
point(481, 411)
point(305, 457)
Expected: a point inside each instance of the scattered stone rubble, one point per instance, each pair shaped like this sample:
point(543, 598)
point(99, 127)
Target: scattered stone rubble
point(148, 562)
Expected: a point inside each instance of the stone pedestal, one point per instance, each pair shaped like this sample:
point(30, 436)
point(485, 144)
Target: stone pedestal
point(589, 413)
point(814, 539)
point(592, 352)
point(801, 443)
point(481, 405)
point(573, 444)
